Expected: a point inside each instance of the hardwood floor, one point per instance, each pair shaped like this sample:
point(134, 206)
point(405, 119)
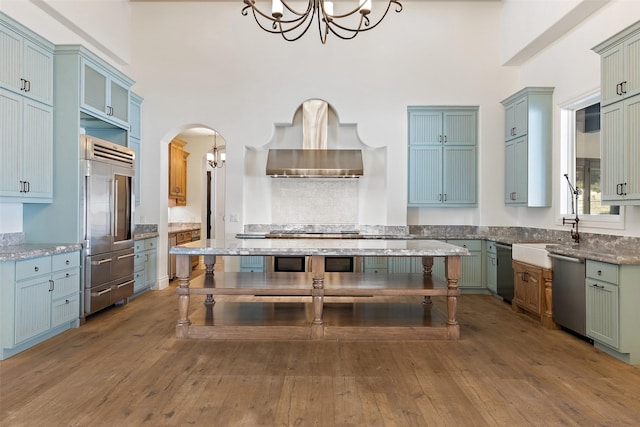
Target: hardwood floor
point(124, 367)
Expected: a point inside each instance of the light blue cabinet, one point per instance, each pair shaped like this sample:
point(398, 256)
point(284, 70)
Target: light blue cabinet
point(252, 264)
point(26, 115)
point(528, 147)
point(103, 94)
point(612, 298)
point(39, 298)
point(375, 264)
point(135, 110)
point(442, 156)
point(491, 267)
point(472, 275)
point(145, 264)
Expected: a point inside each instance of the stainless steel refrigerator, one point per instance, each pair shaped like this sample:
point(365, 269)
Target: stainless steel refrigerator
point(109, 223)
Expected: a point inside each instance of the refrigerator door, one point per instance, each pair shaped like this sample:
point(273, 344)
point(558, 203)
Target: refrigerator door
point(122, 214)
point(99, 201)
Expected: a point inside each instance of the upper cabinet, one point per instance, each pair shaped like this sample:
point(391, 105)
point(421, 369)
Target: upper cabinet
point(135, 110)
point(177, 173)
point(103, 94)
point(442, 156)
point(27, 62)
point(620, 65)
point(26, 115)
point(620, 121)
point(528, 147)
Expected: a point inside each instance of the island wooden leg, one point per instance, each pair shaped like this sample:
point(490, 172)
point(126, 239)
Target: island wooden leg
point(317, 268)
point(452, 270)
point(210, 263)
point(547, 309)
point(183, 271)
point(427, 272)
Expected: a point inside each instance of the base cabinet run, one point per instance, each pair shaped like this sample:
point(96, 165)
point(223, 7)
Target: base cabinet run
point(532, 292)
point(145, 264)
point(612, 296)
point(39, 298)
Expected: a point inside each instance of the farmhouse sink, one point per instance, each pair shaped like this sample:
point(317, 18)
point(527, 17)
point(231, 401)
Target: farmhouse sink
point(531, 253)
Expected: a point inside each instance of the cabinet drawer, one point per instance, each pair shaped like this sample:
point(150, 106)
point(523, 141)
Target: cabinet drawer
point(64, 261)
point(65, 310)
point(33, 267)
point(602, 271)
point(472, 245)
point(139, 260)
point(150, 244)
point(491, 247)
point(66, 283)
point(138, 246)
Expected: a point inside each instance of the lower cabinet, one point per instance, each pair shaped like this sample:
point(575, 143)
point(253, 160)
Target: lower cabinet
point(145, 265)
point(39, 298)
point(612, 316)
point(252, 264)
point(491, 264)
point(532, 291)
point(472, 274)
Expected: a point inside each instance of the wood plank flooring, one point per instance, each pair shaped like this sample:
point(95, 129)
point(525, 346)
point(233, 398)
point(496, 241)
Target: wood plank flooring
point(125, 367)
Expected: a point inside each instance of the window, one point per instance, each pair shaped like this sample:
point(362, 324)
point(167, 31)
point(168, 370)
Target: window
point(581, 161)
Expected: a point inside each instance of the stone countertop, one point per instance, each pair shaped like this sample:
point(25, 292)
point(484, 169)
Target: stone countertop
point(34, 250)
point(617, 256)
point(148, 235)
point(177, 228)
point(328, 247)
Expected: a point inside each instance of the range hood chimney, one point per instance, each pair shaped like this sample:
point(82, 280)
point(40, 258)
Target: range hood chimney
point(314, 160)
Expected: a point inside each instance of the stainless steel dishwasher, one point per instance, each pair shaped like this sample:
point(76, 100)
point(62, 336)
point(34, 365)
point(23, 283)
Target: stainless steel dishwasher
point(504, 285)
point(569, 305)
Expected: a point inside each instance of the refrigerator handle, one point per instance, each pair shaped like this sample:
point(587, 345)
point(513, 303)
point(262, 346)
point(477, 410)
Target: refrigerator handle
point(115, 208)
point(112, 207)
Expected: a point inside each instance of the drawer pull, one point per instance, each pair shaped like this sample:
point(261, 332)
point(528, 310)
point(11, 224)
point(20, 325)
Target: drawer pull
point(599, 272)
point(67, 275)
point(102, 261)
point(67, 262)
point(36, 268)
point(99, 294)
point(125, 283)
point(126, 256)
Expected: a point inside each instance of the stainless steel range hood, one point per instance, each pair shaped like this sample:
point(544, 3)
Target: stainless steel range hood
point(308, 163)
point(314, 160)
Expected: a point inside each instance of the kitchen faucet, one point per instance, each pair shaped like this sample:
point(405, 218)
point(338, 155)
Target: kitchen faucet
point(575, 235)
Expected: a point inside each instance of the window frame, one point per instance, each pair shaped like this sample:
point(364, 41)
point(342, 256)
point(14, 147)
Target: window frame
point(568, 165)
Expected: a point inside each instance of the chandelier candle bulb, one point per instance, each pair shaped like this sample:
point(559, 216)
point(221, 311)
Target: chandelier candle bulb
point(328, 8)
point(365, 7)
point(277, 9)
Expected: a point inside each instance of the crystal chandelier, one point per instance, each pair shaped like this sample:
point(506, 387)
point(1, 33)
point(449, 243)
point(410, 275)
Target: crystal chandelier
point(212, 157)
point(293, 24)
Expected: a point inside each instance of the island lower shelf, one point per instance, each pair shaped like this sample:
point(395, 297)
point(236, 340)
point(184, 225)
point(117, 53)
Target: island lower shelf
point(353, 306)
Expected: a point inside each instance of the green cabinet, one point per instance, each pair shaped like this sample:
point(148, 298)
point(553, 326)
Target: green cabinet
point(620, 65)
point(145, 264)
point(491, 264)
point(26, 115)
point(442, 156)
point(612, 317)
point(40, 298)
point(375, 264)
point(620, 117)
point(472, 266)
point(528, 147)
point(620, 152)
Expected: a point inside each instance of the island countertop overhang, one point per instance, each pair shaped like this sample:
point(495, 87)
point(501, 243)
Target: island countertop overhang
point(319, 247)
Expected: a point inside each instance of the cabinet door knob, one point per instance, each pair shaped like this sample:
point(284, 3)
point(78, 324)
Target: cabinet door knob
point(36, 268)
point(599, 272)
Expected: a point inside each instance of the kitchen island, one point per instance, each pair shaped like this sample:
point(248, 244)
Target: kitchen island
point(297, 301)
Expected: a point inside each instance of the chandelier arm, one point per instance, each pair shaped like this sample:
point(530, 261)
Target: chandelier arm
point(283, 32)
point(310, 5)
point(367, 25)
point(255, 10)
point(275, 24)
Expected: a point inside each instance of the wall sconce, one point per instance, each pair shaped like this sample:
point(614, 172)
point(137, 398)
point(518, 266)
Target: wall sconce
point(212, 158)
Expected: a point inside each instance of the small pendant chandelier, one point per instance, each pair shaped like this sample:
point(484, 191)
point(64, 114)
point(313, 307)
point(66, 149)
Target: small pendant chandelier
point(292, 24)
point(212, 157)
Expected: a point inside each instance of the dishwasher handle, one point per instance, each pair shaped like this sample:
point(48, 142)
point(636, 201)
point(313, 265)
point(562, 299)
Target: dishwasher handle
point(566, 258)
point(503, 246)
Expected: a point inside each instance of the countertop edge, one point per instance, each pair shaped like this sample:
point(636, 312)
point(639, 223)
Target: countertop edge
point(28, 251)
